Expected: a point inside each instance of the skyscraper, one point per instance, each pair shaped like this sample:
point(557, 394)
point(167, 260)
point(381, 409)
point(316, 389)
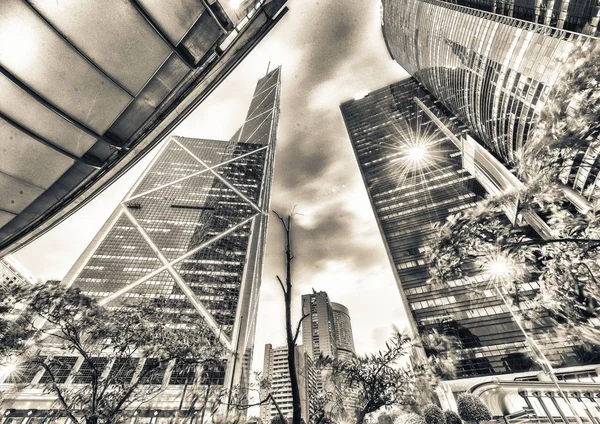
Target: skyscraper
point(318, 328)
point(276, 372)
point(342, 331)
point(420, 164)
point(327, 331)
point(493, 64)
point(192, 231)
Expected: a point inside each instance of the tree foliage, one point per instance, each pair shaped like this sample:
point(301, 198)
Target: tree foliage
point(568, 124)
point(13, 334)
point(434, 415)
point(452, 417)
point(561, 272)
point(387, 418)
point(278, 420)
point(378, 377)
point(65, 320)
point(410, 418)
point(562, 269)
point(471, 408)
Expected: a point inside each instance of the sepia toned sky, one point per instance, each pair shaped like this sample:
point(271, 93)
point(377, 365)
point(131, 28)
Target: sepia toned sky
point(329, 51)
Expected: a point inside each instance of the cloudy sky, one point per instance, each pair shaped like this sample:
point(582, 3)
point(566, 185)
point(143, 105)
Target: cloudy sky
point(329, 50)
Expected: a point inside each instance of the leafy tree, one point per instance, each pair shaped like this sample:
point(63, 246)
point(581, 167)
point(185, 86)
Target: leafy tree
point(568, 125)
point(410, 418)
point(386, 418)
point(434, 415)
point(563, 266)
point(378, 377)
point(441, 354)
point(259, 388)
point(75, 323)
point(562, 270)
point(278, 420)
point(471, 408)
point(12, 332)
point(452, 417)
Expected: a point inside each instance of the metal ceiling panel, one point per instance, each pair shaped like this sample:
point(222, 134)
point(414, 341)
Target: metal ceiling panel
point(203, 37)
point(16, 195)
point(41, 59)
point(25, 110)
point(23, 158)
point(174, 17)
point(72, 120)
point(5, 217)
point(113, 34)
point(146, 102)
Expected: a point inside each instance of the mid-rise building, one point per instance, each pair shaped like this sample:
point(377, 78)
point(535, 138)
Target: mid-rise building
point(11, 271)
point(276, 372)
point(494, 64)
point(192, 232)
point(420, 164)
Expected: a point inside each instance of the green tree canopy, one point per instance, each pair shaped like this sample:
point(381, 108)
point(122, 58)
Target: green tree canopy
point(65, 320)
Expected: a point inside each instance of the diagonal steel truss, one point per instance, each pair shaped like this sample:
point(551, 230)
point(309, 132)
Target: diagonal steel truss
point(168, 265)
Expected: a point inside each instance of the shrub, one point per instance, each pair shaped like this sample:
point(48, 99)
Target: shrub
point(452, 417)
point(434, 415)
point(409, 419)
point(471, 408)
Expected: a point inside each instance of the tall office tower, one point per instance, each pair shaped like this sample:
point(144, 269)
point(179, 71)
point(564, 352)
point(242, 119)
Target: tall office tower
point(420, 165)
point(342, 331)
point(275, 370)
point(494, 71)
point(318, 328)
point(192, 231)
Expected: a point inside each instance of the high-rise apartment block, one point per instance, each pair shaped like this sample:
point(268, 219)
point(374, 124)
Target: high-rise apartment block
point(420, 164)
point(342, 331)
point(276, 372)
point(192, 232)
point(493, 64)
point(327, 329)
point(318, 328)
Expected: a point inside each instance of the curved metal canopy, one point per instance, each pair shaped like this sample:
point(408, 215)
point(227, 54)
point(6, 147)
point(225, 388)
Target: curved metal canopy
point(88, 87)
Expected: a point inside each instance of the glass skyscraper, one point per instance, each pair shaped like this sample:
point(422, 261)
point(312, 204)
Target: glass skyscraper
point(408, 147)
point(192, 232)
point(494, 64)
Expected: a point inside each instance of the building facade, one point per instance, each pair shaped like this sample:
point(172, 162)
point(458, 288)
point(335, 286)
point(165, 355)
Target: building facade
point(11, 271)
point(318, 327)
point(493, 64)
point(276, 372)
point(342, 331)
point(191, 232)
point(420, 164)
